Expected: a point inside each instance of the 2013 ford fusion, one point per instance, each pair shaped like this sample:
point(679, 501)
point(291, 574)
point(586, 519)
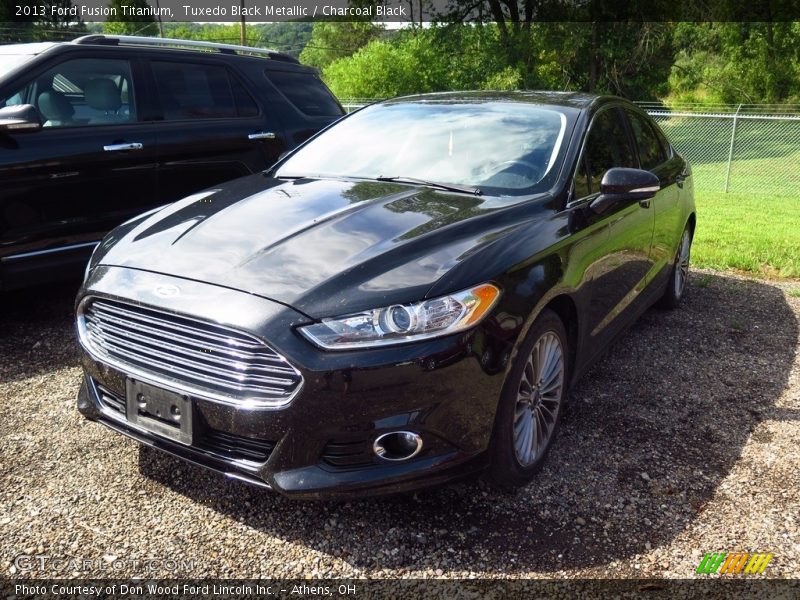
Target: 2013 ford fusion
point(402, 301)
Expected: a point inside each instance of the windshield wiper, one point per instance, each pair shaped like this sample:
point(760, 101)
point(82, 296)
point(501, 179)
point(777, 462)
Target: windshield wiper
point(435, 184)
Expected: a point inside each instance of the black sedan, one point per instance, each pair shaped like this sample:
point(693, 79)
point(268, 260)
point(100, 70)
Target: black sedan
point(402, 301)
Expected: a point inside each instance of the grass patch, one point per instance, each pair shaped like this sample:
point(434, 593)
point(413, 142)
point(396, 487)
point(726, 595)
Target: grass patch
point(794, 292)
point(754, 234)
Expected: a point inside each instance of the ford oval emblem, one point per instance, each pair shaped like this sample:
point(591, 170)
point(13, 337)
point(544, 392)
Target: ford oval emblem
point(167, 291)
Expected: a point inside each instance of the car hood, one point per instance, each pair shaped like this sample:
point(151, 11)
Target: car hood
point(323, 247)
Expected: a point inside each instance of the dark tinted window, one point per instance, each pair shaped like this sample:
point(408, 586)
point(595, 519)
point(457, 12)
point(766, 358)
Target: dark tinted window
point(245, 105)
point(651, 152)
point(661, 138)
point(606, 147)
point(307, 92)
point(191, 91)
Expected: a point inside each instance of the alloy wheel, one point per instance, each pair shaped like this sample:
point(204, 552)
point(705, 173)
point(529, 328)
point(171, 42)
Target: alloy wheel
point(538, 399)
point(682, 264)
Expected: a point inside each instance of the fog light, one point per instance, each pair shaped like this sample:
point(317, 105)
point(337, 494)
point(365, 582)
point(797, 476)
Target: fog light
point(397, 445)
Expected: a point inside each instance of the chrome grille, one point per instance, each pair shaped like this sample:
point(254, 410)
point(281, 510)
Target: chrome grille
point(204, 358)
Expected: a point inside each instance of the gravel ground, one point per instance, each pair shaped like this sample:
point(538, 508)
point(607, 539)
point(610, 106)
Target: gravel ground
point(685, 439)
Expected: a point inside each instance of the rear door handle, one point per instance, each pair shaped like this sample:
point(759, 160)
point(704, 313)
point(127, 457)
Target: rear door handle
point(644, 203)
point(261, 135)
point(123, 147)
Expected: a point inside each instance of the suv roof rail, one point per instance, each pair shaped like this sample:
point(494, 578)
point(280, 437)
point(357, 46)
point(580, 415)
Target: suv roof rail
point(135, 40)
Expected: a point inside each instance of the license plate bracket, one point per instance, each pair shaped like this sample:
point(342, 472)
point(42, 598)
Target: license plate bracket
point(159, 411)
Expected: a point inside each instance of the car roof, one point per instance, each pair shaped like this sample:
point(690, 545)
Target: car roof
point(574, 100)
point(180, 45)
point(153, 44)
point(32, 48)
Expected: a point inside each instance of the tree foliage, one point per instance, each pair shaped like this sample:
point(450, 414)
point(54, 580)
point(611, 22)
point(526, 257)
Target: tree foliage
point(131, 24)
point(629, 60)
point(699, 62)
point(286, 37)
point(332, 40)
point(504, 44)
point(736, 62)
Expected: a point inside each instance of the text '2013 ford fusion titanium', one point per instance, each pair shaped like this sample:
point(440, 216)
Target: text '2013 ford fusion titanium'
point(402, 301)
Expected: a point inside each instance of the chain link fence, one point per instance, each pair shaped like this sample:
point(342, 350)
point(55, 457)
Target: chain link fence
point(753, 149)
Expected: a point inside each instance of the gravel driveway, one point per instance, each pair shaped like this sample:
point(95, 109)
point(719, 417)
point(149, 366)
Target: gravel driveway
point(685, 439)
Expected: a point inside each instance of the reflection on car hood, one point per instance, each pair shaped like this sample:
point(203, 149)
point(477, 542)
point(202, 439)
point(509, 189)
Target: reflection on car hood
point(324, 247)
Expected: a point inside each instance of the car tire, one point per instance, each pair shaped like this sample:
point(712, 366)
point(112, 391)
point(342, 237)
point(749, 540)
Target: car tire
point(679, 277)
point(531, 404)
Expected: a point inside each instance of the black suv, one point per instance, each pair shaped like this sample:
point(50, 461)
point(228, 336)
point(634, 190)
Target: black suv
point(100, 129)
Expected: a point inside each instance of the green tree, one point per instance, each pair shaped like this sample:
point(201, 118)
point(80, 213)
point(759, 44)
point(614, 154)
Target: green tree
point(424, 60)
point(736, 62)
point(131, 24)
point(378, 70)
point(627, 59)
point(333, 40)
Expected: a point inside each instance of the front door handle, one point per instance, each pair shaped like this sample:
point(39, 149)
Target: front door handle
point(261, 135)
point(123, 147)
point(645, 203)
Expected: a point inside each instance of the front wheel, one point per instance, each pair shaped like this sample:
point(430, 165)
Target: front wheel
point(676, 288)
point(530, 406)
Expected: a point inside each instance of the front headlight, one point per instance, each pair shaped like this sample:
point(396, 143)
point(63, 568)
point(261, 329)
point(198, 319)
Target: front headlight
point(401, 323)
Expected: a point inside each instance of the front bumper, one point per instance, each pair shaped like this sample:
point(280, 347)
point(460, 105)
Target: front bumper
point(320, 443)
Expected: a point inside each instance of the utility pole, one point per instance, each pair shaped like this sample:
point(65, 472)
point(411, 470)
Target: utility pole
point(160, 24)
point(243, 27)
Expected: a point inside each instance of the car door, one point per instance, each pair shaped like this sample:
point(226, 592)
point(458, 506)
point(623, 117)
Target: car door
point(656, 156)
point(90, 167)
point(211, 128)
point(618, 272)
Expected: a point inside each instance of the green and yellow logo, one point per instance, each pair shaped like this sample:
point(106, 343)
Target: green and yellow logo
point(734, 563)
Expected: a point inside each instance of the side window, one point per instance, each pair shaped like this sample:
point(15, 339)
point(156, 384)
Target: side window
point(81, 92)
point(245, 105)
point(607, 146)
point(581, 187)
point(194, 91)
point(662, 138)
point(651, 152)
point(307, 92)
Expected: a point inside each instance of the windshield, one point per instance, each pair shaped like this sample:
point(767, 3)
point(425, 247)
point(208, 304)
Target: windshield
point(498, 147)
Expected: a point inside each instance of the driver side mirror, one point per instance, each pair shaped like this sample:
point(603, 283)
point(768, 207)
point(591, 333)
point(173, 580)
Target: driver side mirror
point(20, 118)
point(624, 186)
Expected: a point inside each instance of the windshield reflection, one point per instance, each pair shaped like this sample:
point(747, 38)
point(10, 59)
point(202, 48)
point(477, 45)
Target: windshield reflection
point(501, 146)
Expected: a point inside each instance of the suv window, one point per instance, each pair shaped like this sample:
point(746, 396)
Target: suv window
point(651, 151)
point(307, 92)
point(607, 146)
point(80, 92)
point(195, 91)
point(245, 105)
